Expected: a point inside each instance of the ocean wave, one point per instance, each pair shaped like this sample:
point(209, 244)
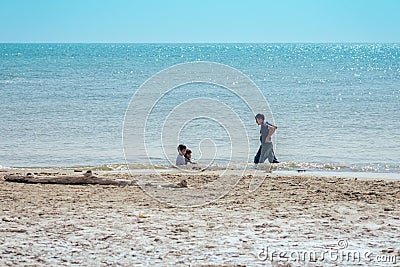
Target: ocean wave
point(357, 167)
point(283, 166)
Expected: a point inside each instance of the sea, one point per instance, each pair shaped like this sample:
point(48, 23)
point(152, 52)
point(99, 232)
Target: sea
point(337, 106)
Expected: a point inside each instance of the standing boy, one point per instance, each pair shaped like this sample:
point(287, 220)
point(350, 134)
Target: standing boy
point(257, 156)
point(266, 144)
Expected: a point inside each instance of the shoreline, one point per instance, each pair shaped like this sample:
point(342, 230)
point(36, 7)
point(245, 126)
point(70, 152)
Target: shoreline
point(142, 168)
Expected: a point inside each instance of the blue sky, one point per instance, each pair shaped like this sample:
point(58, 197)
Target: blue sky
point(177, 21)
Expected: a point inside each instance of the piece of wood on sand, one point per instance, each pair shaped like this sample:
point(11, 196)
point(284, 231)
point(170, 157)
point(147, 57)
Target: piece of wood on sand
point(85, 179)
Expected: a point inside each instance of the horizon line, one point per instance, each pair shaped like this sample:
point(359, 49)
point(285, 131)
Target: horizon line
point(292, 42)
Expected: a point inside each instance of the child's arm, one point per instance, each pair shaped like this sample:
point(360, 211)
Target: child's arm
point(271, 131)
point(269, 124)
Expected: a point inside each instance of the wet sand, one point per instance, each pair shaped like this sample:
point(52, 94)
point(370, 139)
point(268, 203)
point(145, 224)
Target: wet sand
point(50, 224)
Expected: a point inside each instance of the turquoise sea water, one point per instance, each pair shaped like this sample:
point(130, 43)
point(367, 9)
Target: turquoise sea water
point(336, 105)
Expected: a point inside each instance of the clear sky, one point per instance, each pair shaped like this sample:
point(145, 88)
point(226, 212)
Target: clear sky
point(177, 21)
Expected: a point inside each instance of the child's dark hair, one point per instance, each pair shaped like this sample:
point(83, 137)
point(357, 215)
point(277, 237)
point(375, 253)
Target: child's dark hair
point(181, 147)
point(260, 116)
point(188, 152)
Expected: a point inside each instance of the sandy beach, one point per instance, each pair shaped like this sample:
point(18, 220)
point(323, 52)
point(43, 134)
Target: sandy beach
point(323, 220)
point(199, 133)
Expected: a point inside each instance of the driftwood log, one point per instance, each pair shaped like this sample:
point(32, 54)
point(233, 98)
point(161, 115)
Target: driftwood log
point(71, 180)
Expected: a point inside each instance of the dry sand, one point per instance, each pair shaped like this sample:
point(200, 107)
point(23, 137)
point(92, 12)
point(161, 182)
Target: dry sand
point(53, 225)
